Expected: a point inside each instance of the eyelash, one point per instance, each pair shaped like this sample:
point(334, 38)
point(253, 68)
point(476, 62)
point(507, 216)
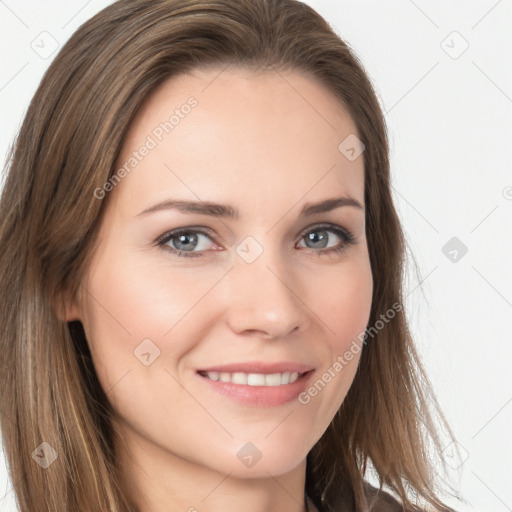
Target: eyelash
point(347, 237)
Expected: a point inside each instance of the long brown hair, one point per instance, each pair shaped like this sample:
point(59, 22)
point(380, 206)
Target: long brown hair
point(68, 147)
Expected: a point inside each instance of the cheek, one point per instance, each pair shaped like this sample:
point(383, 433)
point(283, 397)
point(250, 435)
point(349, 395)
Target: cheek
point(146, 297)
point(344, 310)
point(128, 304)
point(343, 302)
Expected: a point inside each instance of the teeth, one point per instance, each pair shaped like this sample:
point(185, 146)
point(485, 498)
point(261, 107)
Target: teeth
point(255, 379)
point(239, 378)
point(273, 379)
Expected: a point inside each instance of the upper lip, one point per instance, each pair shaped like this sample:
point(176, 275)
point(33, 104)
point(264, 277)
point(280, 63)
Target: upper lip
point(259, 367)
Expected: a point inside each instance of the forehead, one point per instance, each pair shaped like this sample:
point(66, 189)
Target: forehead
point(273, 134)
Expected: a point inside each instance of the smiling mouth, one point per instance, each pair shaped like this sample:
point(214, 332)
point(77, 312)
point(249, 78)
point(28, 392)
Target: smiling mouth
point(254, 379)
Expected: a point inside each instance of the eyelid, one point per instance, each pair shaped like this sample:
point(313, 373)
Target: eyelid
point(195, 229)
point(324, 225)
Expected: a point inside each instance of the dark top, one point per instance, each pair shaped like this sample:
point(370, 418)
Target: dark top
point(378, 501)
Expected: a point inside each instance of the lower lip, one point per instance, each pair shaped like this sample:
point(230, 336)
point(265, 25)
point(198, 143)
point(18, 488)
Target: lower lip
point(260, 396)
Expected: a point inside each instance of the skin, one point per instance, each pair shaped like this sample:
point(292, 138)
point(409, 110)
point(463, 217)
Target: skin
point(266, 144)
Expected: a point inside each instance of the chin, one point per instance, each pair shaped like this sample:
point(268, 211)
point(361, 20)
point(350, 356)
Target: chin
point(274, 466)
point(259, 458)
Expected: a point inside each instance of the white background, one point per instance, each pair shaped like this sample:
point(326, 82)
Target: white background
point(449, 114)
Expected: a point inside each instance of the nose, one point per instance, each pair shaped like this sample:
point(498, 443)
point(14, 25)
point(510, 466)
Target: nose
point(264, 299)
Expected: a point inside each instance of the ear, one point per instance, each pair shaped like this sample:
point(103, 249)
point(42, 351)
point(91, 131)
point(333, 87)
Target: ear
point(66, 306)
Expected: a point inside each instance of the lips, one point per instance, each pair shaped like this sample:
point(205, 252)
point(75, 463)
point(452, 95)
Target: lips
point(258, 383)
point(259, 367)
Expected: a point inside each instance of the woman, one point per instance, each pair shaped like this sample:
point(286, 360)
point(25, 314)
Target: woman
point(204, 269)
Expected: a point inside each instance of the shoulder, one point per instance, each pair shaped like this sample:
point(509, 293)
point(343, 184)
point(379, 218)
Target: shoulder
point(381, 501)
point(378, 501)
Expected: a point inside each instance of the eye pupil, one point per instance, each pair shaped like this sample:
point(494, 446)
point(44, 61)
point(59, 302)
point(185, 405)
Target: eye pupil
point(318, 237)
point(186, 241)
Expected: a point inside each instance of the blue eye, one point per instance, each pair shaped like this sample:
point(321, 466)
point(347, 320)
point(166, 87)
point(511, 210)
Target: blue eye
point(193, 242)
point(185, 242)
point(320, 237)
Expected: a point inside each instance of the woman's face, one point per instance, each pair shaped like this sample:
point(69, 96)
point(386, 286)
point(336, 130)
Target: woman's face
point(197, 349)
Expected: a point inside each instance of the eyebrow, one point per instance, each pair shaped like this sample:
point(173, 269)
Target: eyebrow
point(227, 211)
